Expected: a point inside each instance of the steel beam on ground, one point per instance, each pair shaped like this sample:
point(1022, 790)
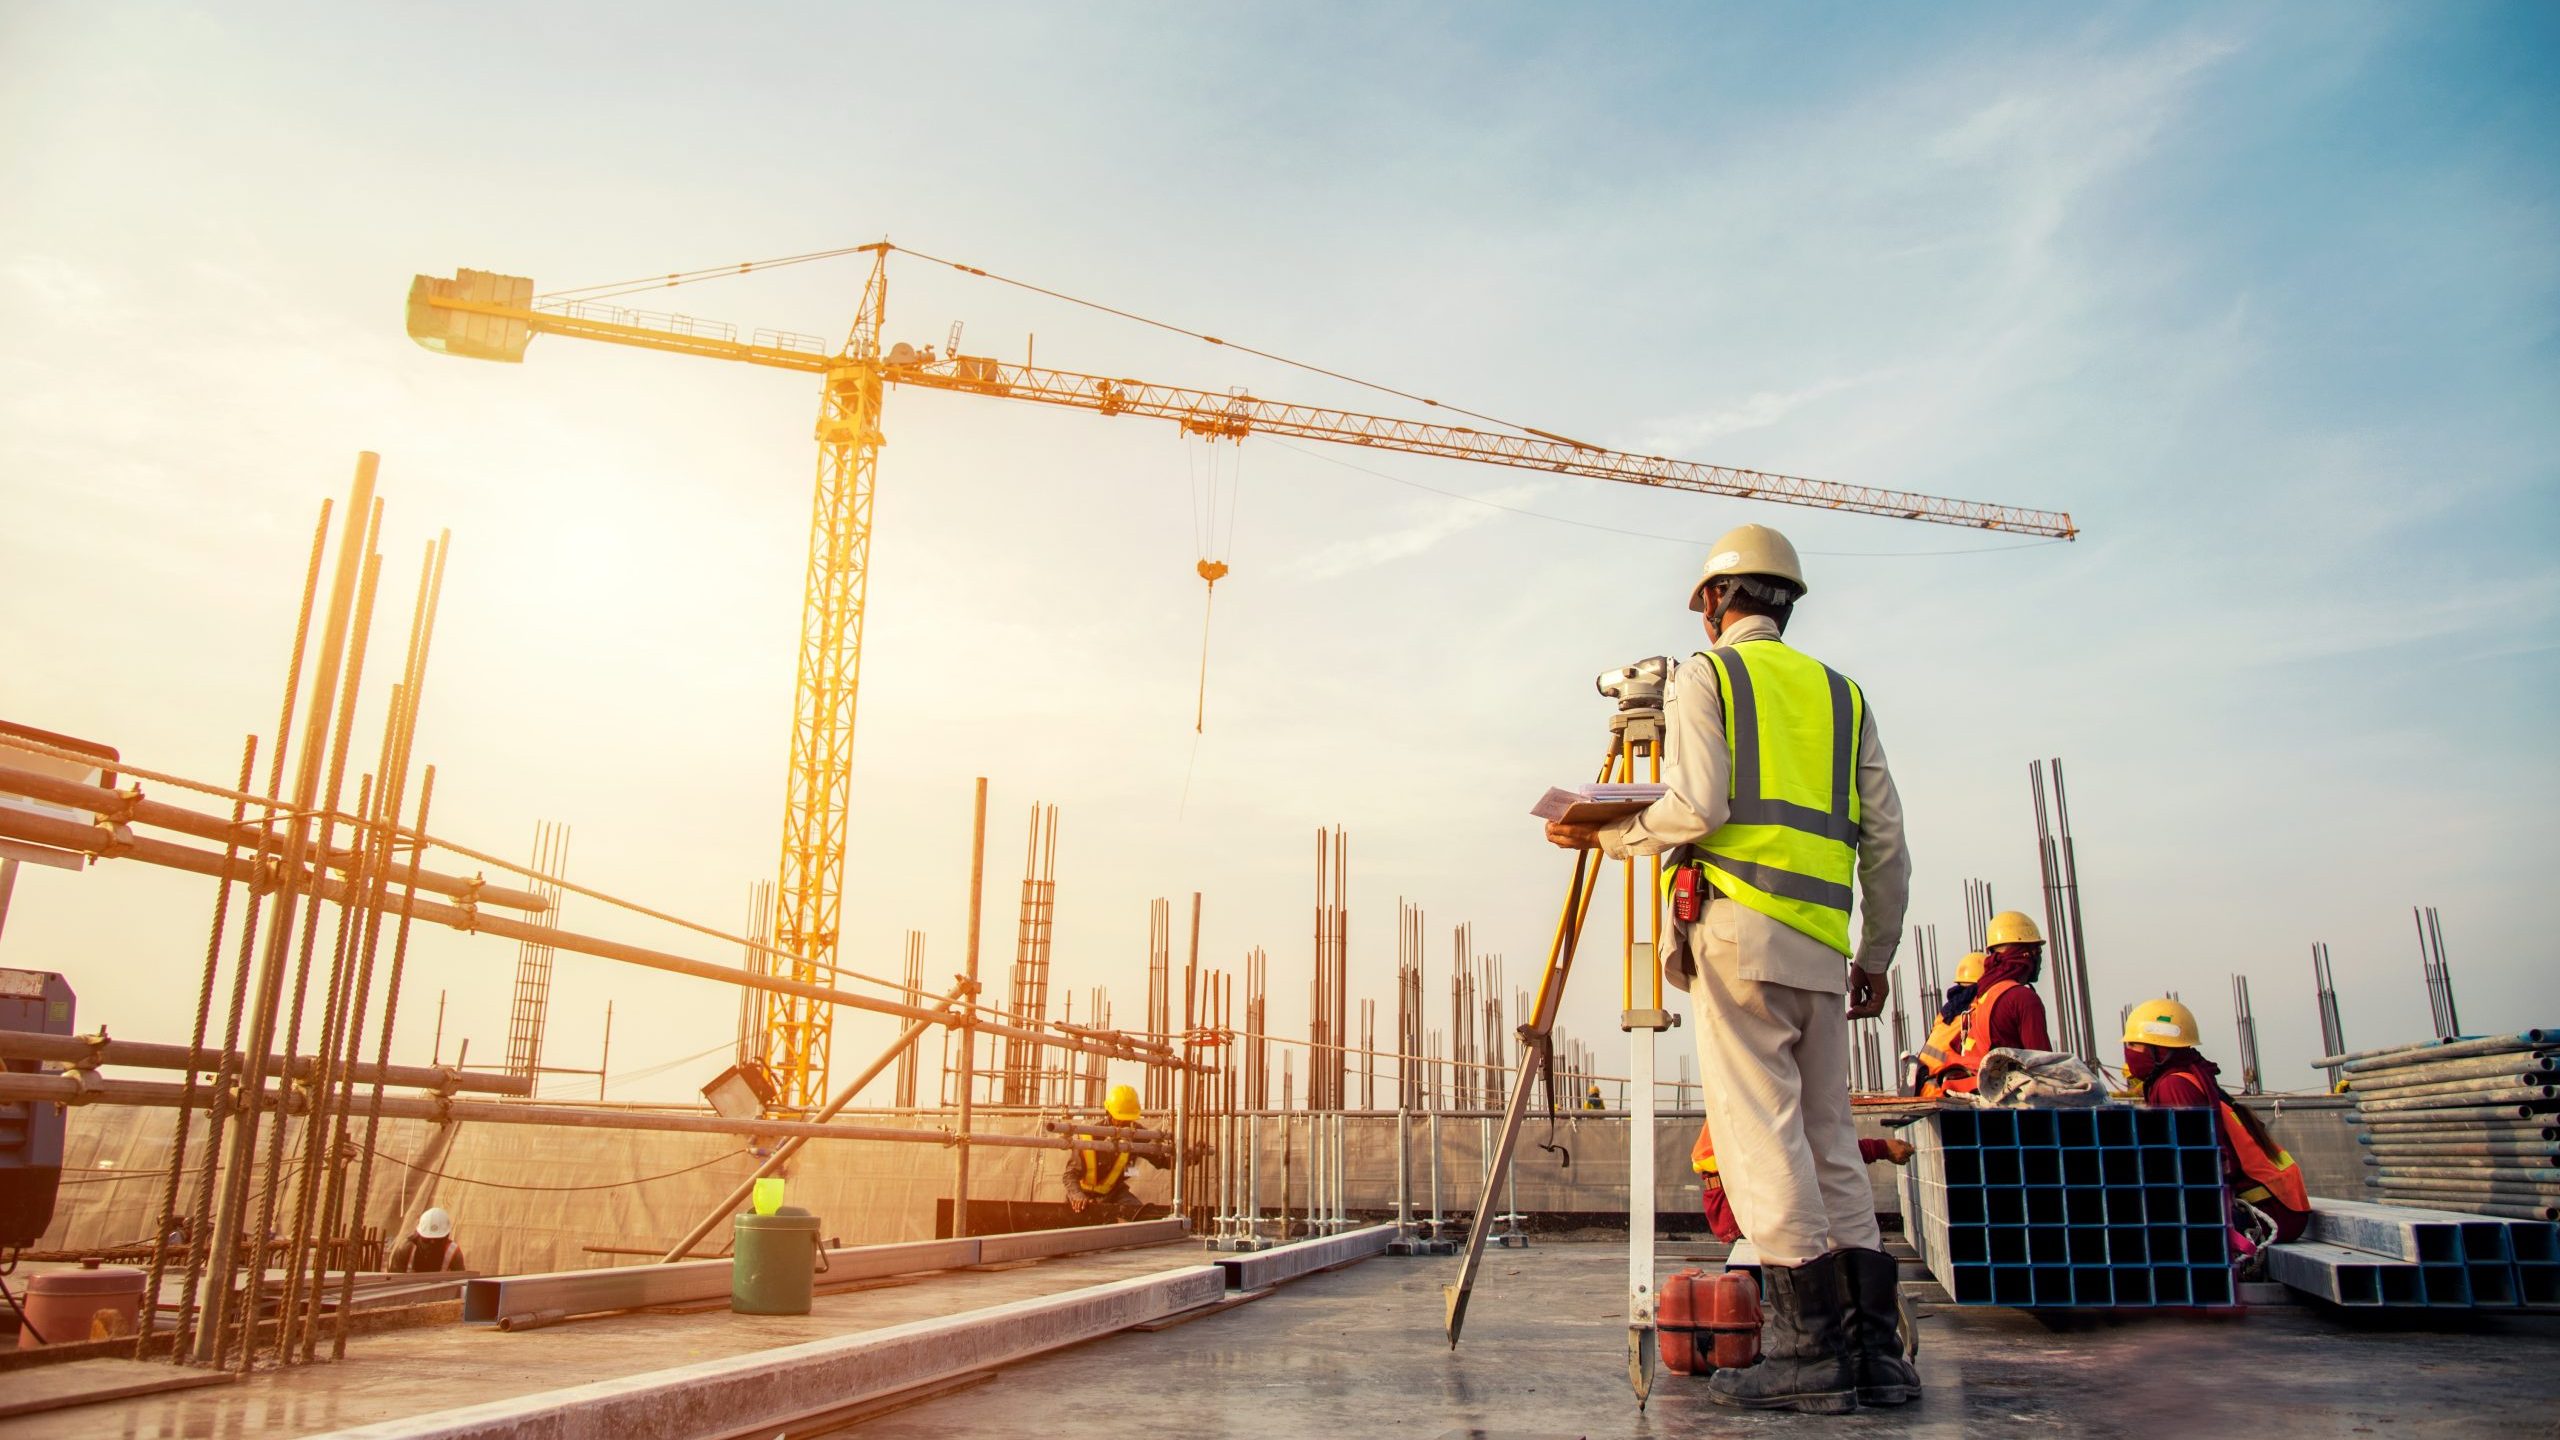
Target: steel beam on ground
point(2342, 1276)
point(1076, 1239)
point(1261, 1269)
point(628, 1287)
point(765, 1390)
point(2404, 1233)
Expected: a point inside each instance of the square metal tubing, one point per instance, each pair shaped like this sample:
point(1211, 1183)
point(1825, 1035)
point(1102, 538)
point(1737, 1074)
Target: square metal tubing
point(2044, 1205)
point(2133, 1285)
point(2121, 1167)
point(2081, 1166)
point(2493, 1282)
point(2012, 1285)
point(2204, 1206)
point(2209, 1286)
point(2052, 1284)
point(2115, 1127)
point(2445, 1286)
point(1973, 1285)
point(2533, 1242)
point(2084, 1207)
point(2537, 1283)
point(2196, 1129)
point(2155, 1128)
point(2001, 1169)
point(2128, 1245)
point(2075, 1129)
point(2169, 1284)
point(2088, 1246)
point(2208, 1245)
point(2048, 1245)
point(2036, 1130)
point(2092, 1285)
point(2200, 1167)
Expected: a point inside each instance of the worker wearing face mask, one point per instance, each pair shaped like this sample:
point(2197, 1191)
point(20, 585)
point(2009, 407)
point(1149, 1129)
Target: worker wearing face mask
point(2160, 1054)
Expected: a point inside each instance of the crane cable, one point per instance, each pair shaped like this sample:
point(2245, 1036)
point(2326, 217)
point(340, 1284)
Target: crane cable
point(1205, 541)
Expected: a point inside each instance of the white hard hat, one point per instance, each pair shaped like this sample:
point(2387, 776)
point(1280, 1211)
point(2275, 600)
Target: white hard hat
point(435, 1224)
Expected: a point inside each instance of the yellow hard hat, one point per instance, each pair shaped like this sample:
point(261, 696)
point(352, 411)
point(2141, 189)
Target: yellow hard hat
point(2010, 927)
point(1969, 969)
point(1123, 1104)
point(1748, 550)
point(2161, 1022)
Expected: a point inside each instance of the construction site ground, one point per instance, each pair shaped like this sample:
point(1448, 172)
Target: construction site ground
point(1359, 1351)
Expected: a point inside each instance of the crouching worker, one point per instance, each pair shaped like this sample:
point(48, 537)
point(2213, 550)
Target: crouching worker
point(2160, 1054)
point(1719, 1210)
point(1098, 1176)
point(429, 1249)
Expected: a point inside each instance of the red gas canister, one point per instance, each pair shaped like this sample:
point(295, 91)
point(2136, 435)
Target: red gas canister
point(85, 1304)
point(1708, 1322)
point(1733, 1317)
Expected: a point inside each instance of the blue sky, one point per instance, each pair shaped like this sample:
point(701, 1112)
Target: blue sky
point(2264, 297)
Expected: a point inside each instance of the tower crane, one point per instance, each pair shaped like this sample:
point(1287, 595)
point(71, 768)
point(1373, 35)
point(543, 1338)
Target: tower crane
point(482, 315)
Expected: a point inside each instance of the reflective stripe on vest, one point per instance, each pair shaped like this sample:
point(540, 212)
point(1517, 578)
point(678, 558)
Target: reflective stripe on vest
point(1788, 846)
point(2272, 1176)
point(1702, 1156)
point(1096, 1180)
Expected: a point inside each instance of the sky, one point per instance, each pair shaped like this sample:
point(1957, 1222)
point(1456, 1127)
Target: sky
point(2263, 296)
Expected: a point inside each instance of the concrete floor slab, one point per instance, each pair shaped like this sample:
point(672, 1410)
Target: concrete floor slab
point(1359, 1352)
point(416, 1372)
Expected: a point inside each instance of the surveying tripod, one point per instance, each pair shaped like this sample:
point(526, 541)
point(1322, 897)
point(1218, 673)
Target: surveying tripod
point(1635, 733)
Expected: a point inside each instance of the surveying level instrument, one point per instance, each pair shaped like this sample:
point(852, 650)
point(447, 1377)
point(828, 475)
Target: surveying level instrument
point(1635, 735)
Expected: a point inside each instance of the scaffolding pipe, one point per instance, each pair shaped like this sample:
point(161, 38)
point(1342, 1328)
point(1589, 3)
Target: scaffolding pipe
point(83, 1052)
point(67, 835)
point(79, 1089)
point(115, 807)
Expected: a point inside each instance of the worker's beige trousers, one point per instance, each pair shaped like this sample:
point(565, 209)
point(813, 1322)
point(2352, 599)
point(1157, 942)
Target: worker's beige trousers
point(1776, 1066)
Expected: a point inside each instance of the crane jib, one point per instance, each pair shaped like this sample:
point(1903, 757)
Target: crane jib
point(1198, 412)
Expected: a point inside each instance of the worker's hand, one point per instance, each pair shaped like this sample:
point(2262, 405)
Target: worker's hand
point(1899, 1152)
point(1867, 990)
point(1567, 835)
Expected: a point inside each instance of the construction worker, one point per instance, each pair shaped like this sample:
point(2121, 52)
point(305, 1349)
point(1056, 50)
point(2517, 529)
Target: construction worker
point(2007, 1012)
point(1719, 1210)
point(1098, 1176)
point(2168, 1070)
point(1941, 1056)
point(1591, 1098)
point(1778, 802)
point(428, 1249)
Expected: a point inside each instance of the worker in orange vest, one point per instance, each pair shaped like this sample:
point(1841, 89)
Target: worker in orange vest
point(1101, 1177)
point(1941, 1056)
point(1719, 1210)
point(2007, 1012)
point(2160, 1054)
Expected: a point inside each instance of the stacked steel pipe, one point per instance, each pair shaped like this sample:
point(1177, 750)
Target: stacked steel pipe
point(2469, 1125)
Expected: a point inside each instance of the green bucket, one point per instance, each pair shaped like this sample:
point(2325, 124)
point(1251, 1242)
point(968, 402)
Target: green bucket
point(774, 1263)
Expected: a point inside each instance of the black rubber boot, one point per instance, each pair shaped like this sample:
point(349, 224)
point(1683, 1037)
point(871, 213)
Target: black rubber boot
point(1806, 1345)
point(1885, 1377)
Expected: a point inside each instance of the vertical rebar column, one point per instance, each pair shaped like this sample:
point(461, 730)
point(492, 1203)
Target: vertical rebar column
point(259, 1041)
point(2071, 895)
point(1182, 1080)
point(2333, 1033)
point(2247, 1024)
point(905, 1086)
point(967, 1029)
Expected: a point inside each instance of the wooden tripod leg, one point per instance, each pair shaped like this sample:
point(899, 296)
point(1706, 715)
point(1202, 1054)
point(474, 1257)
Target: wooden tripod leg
point(1577, 906)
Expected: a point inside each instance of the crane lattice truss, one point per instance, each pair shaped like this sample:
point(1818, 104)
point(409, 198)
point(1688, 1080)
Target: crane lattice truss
point(482, 315)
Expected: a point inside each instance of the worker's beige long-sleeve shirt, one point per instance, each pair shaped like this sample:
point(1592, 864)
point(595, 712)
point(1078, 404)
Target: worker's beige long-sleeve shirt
point(1698, 771)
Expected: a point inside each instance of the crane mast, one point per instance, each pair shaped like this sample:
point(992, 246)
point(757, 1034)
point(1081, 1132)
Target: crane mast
point(483, 315)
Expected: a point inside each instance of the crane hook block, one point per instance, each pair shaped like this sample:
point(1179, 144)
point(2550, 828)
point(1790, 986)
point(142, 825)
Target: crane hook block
point(445, 317)
point(1212, 571)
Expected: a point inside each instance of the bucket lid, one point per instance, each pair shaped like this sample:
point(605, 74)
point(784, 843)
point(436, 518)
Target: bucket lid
point(110, 1280)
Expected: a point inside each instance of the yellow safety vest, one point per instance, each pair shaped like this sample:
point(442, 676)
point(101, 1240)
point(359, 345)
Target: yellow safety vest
point(1099, 1178)
point(1789, 845)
